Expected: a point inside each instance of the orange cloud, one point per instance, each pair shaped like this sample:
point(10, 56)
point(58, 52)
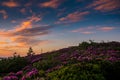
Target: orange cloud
point(24, 25)
point(26, 33)
point(3, 42)
point(27, 41)
point(5, 52)
point(10, 4)
point(4, 13)
point(73, 17)
point(51, 3)
point(105, 5)
point(28, 23)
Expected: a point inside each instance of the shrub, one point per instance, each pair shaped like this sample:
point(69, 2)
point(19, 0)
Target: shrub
point(12, 64)
point(77, 72)
point(84, 45)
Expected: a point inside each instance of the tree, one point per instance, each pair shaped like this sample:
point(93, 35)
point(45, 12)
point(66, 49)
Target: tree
point(30, 52)
point(14, 54)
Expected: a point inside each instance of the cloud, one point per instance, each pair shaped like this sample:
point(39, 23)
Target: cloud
point(106, 28)
point(32, 32)
point(36, 31)
point(23, 10)
point(91, 30)
point(27, 41)
point(28, 23)
point(86, 30)
point(3, 42)
point(105, 5)
point(13, 21)
point(4, 13)
point(51, 3)
point(27, 33)
point(10, 4)
point(26, 10)
point(73, 17)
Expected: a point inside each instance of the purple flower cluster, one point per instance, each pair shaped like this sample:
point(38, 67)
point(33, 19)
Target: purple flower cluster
point(23, 78)
point(32, 73)
point(54, 68)
point(10, 78)
point(63, 57)
point(96, 53)
point(13, 76)
point(34, 58)
point(19, 73)
point(16, 76)
point(27, 68)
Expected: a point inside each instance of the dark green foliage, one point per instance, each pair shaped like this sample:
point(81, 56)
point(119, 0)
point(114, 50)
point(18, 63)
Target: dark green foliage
point(84, 45)
point(30, 52)
point(12, 64)
point(45, 64)
point(78, 72)
point(111, 71)
point(41, 73)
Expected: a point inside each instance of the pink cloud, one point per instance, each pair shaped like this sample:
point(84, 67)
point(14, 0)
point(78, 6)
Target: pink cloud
point(51, 3)
point(73, 17)
point(91, 30)
point(86, 30)
point(4, 13)
point(13, 21)
point(106, 28)
point(105, 5)
point(23, 10)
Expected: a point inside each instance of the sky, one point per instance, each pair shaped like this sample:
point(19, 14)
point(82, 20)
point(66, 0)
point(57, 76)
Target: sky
point(54, 24)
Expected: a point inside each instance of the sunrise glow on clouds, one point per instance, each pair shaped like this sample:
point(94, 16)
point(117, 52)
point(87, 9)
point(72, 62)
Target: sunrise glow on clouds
point(54, 24)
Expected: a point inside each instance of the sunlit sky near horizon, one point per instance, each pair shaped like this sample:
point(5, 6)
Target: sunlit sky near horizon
point(55, 24)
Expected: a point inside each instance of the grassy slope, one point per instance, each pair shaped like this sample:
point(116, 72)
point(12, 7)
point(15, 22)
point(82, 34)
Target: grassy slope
point(88, 61)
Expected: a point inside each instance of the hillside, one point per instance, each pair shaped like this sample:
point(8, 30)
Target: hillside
point(88, 61)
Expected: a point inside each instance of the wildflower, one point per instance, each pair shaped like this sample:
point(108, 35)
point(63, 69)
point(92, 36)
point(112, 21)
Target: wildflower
point(23, 78)
point(10, 78)
point(112, 59)
point(6, 78)
point(19, 73)
point(14, 77)
point(11, 74)
point(32, 73)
